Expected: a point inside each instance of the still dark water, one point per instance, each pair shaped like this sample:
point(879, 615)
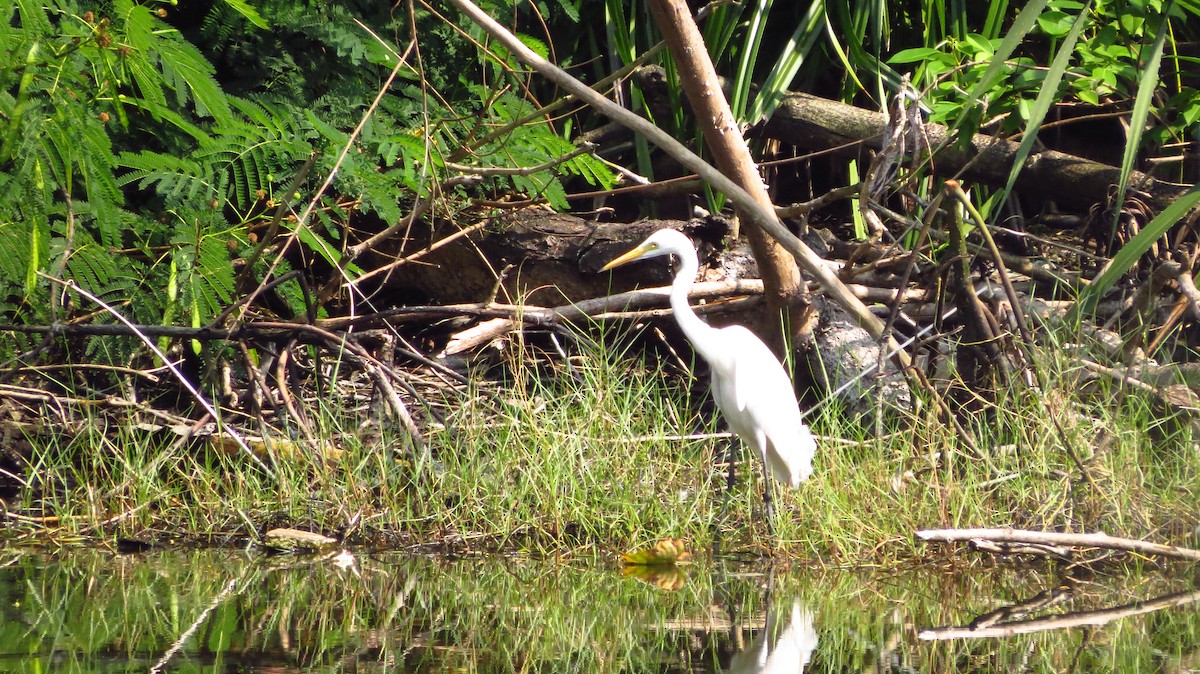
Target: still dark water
point(226, 611)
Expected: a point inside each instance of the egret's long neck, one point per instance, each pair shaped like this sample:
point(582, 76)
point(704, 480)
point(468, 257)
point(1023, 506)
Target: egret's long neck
point(693, 328)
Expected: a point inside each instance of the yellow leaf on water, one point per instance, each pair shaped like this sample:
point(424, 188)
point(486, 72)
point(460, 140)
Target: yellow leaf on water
point(666, 552)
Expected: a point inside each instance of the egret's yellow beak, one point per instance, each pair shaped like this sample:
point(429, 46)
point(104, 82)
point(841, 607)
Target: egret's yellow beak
point(630, 256)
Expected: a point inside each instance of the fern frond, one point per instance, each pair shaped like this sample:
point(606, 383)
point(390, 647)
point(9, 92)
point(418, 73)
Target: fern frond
point(95, 268)
point(180, 182)
point(159, 60)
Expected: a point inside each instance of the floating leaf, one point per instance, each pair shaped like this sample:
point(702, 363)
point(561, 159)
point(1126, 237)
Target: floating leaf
point(666, 552)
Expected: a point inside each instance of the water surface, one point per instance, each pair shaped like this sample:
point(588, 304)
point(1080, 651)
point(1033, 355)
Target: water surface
point(228, 611)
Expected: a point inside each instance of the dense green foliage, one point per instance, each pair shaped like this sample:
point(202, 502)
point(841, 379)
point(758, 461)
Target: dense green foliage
point(134, 167)
point(975, 66)
point(144, 148)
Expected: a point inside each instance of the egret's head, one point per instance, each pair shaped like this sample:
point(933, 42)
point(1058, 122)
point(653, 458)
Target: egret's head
point(662, 242)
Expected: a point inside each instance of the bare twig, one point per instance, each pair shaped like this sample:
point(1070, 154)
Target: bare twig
point(1098, 540)
point(586, 148)
point(763, 217)
point(199, 397)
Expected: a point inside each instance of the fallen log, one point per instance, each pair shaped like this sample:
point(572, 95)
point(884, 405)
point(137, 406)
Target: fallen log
point(816, 123)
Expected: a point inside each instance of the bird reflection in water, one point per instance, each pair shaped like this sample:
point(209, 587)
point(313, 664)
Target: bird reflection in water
point(785, 645)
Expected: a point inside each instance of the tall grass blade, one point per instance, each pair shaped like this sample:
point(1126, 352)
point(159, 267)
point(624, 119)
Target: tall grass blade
point(748, 57)
point(1130, 252)
point(995, 18)
point(619, 30)
point(854, 56)
point(797, 48)
point(1024, 23)
point(1046, 96)
point(720, 26)
point(840, 51)
point(1147, 84)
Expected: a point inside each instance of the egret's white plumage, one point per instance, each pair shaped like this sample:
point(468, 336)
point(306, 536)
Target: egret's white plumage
point(750, 386)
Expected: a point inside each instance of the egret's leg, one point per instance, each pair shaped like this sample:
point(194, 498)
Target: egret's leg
point(768, 497)
point(730, 466)
point(730, 475)
point(761, 444)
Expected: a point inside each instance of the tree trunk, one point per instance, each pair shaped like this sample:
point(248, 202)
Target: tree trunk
point(781, 278)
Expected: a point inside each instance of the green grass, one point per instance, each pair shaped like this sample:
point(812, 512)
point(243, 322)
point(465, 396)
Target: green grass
point(583, 457)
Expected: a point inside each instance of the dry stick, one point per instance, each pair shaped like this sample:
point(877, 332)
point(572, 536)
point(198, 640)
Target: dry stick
point(267, 240)
point(208, 407)
point(387, 268)
point(542, 316)
point(1058, 622)
point(956, 190)
point(380, 372)
point(274, 330)
point(545, 111)
point(601, 85)
point(1187, 285)
point(285, 396)
point(302, 221)
point(830, 197)
point(896, 304)
point(1026, 334)
point(423, 206)
point(585, 148)
point(1098, 540)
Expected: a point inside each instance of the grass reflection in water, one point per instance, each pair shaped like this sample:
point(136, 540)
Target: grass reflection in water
point(89, 611)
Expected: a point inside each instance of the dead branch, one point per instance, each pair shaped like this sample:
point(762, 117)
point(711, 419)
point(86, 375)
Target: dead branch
point(763, 216)
point(1097, 540)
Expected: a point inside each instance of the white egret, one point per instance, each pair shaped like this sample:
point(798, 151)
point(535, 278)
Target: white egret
point(750, 386)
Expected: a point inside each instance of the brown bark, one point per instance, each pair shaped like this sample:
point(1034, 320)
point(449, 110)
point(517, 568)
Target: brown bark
point(535, 256)
point(724, 140)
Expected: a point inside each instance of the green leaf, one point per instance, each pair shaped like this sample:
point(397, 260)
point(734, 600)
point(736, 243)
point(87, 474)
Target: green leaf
point(1036, 113)
point(1021, 26)
point(34, 261)
point(1087, 94)
point(791, 57)
point(1055, 23)
point(915, 54)
point(984, 48)
point(247, 10)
